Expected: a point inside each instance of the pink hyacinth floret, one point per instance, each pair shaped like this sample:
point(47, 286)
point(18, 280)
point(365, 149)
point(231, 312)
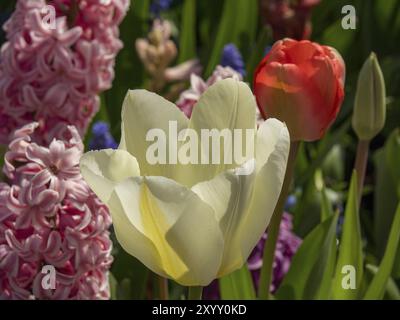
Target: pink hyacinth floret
point(50, 217)
point(54, 75)
point(198, 86)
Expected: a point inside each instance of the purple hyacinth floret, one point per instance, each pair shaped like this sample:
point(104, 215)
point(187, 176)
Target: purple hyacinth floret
point(157, 6)
point(286, 246)
point(231, 57)
point(101, 137)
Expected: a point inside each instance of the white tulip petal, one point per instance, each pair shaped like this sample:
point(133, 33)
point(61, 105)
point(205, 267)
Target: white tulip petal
point(268, 185)
point(244, 203)
point(226, 105)
point(229, 195)
point(268, 134)
point(191, 230)
point(143, 111)
point(124, 208)
point(179, 229)
point(103, 169)
point(122, 143)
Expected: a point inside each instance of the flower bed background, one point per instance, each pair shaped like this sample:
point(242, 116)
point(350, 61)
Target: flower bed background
point(78, 74)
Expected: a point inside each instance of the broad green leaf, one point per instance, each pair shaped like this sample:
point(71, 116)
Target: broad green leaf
point(326, 206)
point(396, 267)
point(378, 284)
point(238, 25)
point(385, 202)
point(264, 38)
point(311, 270)
point(342, 42)
point(387, 17)
point(350, 249)
point(392, 157)
point(187, 40)
point(237, 286)
point(392, 290)
point(208, 23)
point(307, 212)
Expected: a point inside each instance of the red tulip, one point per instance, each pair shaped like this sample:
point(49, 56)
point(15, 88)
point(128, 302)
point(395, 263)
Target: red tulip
point(301, 83)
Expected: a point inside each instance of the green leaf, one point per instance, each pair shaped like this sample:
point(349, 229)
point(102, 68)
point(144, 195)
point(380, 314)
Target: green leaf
point(396, 267)
point(377, 288)
point(238, 25)
point(257, 54)
point(350, 248)
point(385, 203)
point(208, 23)
point(187, 40)
point(392, 153)
point(307, 212)
point(387, 19)
point(326, 206)
point(311, 270)
point(237, 286)
point(392, 291)
point(343, 42)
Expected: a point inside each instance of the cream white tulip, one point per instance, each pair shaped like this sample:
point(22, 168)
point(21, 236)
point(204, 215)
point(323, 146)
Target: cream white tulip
point(195, 222)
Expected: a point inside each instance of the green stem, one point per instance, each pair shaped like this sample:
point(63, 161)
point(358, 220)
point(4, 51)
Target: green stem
point(361, 165)
point(163, 287)
point(273, 228)
point(195, 293)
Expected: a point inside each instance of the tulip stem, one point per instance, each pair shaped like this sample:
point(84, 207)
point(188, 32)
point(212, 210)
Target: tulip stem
point(273, 228)
point(361, 165)
point(163, 287)
point(195, 293)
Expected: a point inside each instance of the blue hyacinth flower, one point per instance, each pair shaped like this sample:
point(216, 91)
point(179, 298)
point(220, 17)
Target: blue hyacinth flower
point(101, 137)
point(231, 57)
point(157, 6)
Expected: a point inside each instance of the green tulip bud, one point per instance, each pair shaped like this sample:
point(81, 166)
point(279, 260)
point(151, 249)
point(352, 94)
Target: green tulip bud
point(370, 101)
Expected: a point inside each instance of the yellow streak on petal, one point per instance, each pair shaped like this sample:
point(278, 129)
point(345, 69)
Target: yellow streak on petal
point(156, 227)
